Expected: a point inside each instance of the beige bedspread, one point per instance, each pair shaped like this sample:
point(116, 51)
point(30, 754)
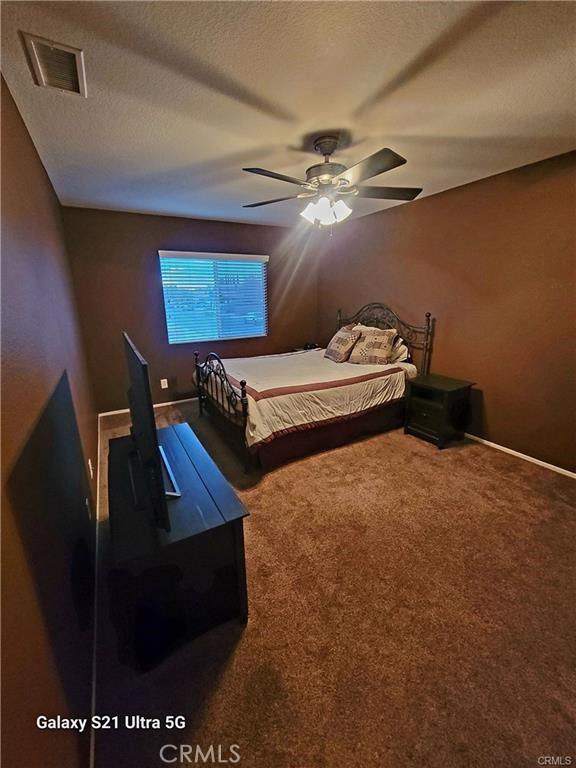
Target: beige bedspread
point(298, 390)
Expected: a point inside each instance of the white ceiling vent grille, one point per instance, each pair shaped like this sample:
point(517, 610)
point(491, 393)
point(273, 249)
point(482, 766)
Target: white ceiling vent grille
point(56, 65)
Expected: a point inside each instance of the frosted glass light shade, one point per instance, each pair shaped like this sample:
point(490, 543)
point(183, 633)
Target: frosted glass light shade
point(341, 210)
point(326, 212)
point(309, 213)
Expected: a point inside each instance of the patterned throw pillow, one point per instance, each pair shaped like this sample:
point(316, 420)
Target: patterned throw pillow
point(341, 344)
point(374, 347)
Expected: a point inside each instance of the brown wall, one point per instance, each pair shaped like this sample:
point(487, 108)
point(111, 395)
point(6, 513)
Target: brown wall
point(48, 432)
point(117, 280)
point(494, 262)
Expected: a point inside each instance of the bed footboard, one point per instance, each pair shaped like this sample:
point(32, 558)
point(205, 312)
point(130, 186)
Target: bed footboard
point(217, 394)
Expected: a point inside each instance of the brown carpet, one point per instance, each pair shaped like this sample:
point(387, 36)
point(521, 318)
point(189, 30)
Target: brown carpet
point(409, 607)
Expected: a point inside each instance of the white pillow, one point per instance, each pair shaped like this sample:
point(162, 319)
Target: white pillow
point(400, 354)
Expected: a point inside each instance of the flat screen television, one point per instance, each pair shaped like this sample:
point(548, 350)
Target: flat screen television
point(152, 467)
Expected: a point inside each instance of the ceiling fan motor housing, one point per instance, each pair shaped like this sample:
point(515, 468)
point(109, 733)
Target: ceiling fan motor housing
point(323, 173)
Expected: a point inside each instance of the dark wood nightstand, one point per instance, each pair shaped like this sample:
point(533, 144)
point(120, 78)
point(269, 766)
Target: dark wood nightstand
point(437, 408)
point(306, 348)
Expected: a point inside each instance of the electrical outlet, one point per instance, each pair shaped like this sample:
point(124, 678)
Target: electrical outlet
point(91, 468)
point(164, 383)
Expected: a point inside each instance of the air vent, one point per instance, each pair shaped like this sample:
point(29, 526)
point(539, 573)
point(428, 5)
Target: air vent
point(56, 65)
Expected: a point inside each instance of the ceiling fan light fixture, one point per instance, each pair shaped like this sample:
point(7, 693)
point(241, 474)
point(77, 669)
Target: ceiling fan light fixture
point(341, 210)
point(326, 212)
point(309, 213)
point(328, 180)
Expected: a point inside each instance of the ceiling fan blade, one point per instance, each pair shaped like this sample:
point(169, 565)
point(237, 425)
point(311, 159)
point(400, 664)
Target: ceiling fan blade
point(383, 160)
point(389, 193)
point(279, 176)
point(269, 202)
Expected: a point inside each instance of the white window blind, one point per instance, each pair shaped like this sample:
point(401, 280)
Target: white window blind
point(211, 296)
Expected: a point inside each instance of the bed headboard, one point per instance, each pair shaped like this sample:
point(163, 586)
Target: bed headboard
point(418, 339)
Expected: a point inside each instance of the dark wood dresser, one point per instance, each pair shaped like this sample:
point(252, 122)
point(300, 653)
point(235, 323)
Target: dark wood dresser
point(437, 408)
point(166, 588)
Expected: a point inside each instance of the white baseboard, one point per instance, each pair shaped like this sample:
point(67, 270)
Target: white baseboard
point(156, 405)
point(531, 459)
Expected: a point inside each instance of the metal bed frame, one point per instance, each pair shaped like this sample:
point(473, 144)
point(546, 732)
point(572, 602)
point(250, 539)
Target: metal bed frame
point(218, 397)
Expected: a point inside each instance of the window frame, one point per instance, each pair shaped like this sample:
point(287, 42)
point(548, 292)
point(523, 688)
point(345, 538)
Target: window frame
point(209, 256)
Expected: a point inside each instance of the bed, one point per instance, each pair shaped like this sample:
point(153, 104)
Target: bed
point(278, 407)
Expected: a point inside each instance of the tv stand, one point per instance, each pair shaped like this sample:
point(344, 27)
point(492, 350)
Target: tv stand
point(167, 587)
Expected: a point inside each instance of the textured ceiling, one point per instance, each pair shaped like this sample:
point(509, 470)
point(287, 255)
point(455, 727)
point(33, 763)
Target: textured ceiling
point(181, 96)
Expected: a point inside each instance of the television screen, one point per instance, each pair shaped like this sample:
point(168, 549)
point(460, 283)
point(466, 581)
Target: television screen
point(144, 433)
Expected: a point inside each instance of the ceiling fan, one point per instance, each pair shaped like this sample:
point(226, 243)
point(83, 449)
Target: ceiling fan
point(329, 184)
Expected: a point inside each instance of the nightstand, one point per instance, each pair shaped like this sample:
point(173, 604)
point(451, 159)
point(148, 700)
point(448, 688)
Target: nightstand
point(437, 408)
point(306, 348)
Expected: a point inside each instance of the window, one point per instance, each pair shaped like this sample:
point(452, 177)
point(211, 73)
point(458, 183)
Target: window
point(211, 296)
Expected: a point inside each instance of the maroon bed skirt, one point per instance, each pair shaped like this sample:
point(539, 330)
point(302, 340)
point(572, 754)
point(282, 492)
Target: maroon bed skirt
point(321, 438)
